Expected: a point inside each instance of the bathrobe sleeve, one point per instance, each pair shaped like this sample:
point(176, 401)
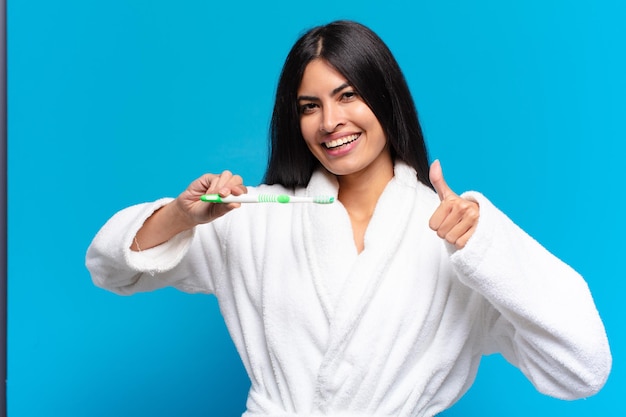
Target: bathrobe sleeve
point(175, 263)
point(539, 312)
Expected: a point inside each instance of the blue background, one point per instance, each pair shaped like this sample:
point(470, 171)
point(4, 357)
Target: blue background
point(116, 102)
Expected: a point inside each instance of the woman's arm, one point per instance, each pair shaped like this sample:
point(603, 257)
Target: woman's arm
point(142, 247)
point(539, 313)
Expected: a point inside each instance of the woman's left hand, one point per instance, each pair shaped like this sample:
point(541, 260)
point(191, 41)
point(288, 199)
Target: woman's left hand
point(456, 218)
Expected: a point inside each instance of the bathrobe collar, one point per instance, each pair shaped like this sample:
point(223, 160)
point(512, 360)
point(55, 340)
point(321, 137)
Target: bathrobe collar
point(340, 273)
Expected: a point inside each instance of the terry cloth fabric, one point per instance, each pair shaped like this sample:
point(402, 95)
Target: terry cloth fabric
point(396, 330)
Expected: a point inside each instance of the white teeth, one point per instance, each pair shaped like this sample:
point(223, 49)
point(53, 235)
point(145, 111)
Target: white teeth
point(341, 141)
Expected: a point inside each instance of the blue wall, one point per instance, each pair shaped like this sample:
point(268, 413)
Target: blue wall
point(117, 102)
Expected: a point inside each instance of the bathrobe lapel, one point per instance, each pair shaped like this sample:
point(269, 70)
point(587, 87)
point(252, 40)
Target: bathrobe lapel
point(360, 274)
point(328, 241)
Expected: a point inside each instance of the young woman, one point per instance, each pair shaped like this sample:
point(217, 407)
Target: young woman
point(382, 303)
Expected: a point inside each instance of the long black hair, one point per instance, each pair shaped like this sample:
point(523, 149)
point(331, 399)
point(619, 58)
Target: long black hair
point(368, 65)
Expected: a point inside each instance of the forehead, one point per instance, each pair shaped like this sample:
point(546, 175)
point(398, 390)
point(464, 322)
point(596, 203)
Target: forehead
point(320, 77)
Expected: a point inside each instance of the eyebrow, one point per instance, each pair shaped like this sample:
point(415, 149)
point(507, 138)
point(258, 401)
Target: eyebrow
point(332, 93)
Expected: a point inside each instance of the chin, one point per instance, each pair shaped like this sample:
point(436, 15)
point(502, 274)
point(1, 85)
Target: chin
point(342, 170)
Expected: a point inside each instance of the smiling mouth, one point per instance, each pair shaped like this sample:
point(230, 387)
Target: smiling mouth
point(333, 144)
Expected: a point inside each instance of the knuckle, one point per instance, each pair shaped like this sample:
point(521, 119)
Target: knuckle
point(465, 205)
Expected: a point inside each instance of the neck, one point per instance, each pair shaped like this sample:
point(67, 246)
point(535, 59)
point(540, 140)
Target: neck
point(359, 192)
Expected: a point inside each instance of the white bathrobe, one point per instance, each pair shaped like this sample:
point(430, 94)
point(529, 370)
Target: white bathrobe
point(397, 330)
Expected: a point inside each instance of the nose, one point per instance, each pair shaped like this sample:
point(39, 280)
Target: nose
point(332, 118)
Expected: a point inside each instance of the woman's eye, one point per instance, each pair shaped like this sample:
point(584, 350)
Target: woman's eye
point(348, 95)
point(307, 108)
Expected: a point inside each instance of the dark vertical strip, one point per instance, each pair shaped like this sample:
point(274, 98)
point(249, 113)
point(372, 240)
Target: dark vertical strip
point(3, 208)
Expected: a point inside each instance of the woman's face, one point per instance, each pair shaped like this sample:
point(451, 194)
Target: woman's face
point(341, 131)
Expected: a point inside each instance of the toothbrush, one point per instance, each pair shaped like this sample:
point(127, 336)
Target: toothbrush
point(265, 198)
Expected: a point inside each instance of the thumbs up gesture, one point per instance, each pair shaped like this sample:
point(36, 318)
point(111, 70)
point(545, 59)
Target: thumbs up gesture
point(456, 218)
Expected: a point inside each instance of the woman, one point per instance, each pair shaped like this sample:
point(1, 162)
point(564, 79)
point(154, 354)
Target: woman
point(383, 303)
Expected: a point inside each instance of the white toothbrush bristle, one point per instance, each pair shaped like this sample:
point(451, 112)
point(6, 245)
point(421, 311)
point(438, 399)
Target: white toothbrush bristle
point(324, 199)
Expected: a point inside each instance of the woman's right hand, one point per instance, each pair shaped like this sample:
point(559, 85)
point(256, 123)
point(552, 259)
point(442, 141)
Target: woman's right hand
point(187, 210)
point(197, 211)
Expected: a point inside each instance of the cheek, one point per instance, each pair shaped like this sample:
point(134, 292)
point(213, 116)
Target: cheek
point(366, 117)
point(308, 128)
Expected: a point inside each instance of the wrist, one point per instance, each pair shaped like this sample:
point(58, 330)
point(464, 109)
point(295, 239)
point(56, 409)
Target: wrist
point(165, 223)
point(178, 218)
